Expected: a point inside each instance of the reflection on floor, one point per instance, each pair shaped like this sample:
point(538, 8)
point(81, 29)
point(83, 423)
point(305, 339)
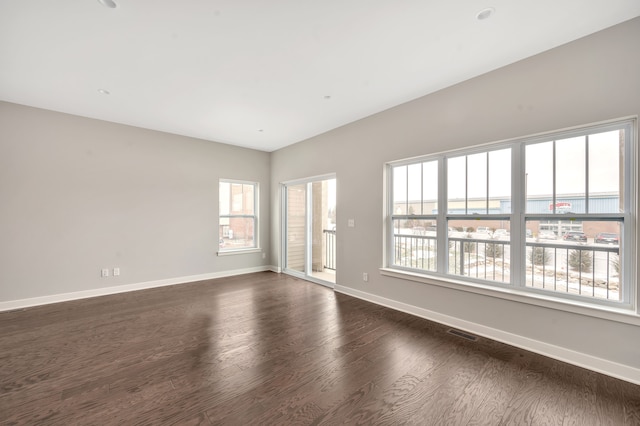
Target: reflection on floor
point(328, 275)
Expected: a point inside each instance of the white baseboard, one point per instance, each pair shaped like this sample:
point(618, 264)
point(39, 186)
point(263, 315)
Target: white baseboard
point(610, 368)
point(65, 297)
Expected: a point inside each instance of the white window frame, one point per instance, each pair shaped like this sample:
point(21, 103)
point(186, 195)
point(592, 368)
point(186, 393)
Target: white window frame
point(225, 251)
point(516, 289)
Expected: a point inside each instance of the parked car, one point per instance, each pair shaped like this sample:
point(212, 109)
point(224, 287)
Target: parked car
point(500, 232)
point(575, 236)
point(483, 232)
point(547, 235)
point(607, 238)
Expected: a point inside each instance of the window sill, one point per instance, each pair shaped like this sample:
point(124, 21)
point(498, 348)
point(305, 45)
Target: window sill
point(239, 251)
point(623, 315)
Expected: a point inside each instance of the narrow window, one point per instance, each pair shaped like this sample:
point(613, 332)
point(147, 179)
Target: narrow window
point(238, 222)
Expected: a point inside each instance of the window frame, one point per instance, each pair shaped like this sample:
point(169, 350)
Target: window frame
point(223, 251)
point(518, 218)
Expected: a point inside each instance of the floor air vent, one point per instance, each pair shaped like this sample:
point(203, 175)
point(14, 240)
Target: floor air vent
point(462, 334)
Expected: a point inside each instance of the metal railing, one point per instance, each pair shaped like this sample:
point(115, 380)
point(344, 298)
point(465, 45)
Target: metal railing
point(415, 251)
point(580, 269)
point(480, 258)
point(330, 249)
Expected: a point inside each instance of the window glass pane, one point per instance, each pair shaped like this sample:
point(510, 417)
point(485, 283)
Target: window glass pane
point(400, 190)
point(500, 181)
point(539, 177)
point(456, 185)
point(414, 189)
point(224, 197)
point(239, 233)
point(571, 175)
point(237, 198)
point(477, 183)
point(414, 243)
point(575, 257)
point(605, 177)
point(480, 249)
point(249, 196)
point(430, 187)
point(296, 227)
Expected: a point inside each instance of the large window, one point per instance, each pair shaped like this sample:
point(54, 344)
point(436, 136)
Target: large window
point(546, 215)
point(238, 223)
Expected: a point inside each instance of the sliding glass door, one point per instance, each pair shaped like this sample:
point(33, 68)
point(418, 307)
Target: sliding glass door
point(309, 232)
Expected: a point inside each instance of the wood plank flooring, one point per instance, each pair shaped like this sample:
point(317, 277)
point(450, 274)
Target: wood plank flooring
point(268, 349)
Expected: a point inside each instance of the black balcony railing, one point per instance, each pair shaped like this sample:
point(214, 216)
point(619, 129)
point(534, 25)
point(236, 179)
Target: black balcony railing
point(590, 270)
point(330, 249)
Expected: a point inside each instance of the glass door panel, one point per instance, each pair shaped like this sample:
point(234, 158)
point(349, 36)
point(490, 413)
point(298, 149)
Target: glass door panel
point(310, 230)
point(323, 231)
point(296, 227)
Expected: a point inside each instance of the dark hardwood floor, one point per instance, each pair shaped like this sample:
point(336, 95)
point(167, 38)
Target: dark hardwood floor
point(268, 349)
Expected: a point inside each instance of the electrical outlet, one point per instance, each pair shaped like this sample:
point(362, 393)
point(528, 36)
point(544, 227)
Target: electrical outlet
point(365, 277)
point(116, 272)
point(351, 223)
point(104, 273)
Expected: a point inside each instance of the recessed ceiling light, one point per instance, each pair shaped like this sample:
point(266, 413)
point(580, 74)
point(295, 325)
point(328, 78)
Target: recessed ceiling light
point(327, 97)
point(261, 130)
point(103, 92)
point(108, 3)
point(485, 13)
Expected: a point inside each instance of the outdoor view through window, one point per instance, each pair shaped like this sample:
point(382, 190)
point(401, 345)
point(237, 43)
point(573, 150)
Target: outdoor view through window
point(237, 221)
point(545, 215)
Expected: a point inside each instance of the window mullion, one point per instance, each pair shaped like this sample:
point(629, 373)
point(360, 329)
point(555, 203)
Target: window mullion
point(421, 188)
point(443, 227)
point(466, 184)
point(553, 189)
point(586, 175)
point(518, 209)
point(487, 188)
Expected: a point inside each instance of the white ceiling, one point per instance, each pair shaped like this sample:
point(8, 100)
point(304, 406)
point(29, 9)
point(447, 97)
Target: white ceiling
point(257, 73)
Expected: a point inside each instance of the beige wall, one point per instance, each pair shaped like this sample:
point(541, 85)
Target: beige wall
point(590, 80)
point(79, 195)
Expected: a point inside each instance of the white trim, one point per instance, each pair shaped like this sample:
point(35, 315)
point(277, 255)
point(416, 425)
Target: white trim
point(232, 252)
point(65, 297)
point(626, 316)
point(310, 278)
point(610, 368)
point(256, 210)
point(317, 178)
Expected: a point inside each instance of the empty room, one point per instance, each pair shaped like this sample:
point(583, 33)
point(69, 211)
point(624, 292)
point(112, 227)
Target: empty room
point(319, 212)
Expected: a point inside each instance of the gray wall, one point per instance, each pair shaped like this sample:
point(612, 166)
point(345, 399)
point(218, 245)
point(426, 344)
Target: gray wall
point(590, 80)
point(81, 194)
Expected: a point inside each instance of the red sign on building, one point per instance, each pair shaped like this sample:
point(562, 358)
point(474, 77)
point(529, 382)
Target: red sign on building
point(562, 206)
